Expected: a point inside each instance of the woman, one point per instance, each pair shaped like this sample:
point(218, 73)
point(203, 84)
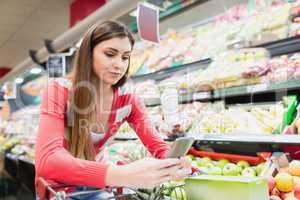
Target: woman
point(79, 114)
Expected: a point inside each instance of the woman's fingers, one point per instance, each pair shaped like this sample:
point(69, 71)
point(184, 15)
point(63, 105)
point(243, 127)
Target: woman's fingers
point(161, 164)
point(182, 173)
point(185, 162)
point(169, 171)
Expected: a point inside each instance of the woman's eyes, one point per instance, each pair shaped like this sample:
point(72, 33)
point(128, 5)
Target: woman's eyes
point(110, 54)
point(125, 58)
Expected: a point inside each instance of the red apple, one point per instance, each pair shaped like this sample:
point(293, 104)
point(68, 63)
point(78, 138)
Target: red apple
point(297, 191)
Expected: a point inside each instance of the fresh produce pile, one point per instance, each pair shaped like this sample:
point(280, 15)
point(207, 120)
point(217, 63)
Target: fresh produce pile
point(286, 183)
point(224, 167)
point(238, 27)
point(242, 119)
point(230, 69)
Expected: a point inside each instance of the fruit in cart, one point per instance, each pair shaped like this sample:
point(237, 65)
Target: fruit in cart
point(294, 168)
point(297, 191)
point(243, 164)
point(248, 172)
point(215, 171)
point(231, 169)
point(221, 163)
point(284, 182)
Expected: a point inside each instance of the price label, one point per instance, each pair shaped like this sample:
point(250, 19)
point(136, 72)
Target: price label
point(257, 88)
point(201, 95)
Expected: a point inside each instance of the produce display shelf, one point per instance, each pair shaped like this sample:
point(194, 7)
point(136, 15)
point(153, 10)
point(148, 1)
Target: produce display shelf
point(249, 138)
point(284, 46)
point(276, 48)
point(257, 88)
point(233, 91)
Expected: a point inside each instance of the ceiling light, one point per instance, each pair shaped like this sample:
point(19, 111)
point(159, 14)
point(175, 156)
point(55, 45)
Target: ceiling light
point(35, 70)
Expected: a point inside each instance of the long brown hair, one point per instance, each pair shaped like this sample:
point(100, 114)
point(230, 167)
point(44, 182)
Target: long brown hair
point(80, 144)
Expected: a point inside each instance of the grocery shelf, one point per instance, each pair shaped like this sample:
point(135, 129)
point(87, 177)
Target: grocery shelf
point(233, 91)
point(284, 46)
point(184, 98)
point(248, 138)
point(276, 48)
point(257, 88)
point(168, 72)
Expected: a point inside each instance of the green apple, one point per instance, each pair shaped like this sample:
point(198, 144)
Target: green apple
point(209, 165)
point(243, 164)
point(231, 169)
point(248, 172)
point(215, 171)
point(259, 168)
point(204, 161)
point(222, 163)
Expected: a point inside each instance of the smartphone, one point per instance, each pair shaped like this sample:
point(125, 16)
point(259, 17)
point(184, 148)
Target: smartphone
point(180, 147)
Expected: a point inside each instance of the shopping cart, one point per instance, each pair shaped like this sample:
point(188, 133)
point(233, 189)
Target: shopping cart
point(53, 191)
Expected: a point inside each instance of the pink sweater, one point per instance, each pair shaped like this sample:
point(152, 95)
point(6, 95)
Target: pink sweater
point(52, 159)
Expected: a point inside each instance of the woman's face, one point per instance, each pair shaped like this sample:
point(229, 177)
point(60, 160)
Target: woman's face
point(111, 59)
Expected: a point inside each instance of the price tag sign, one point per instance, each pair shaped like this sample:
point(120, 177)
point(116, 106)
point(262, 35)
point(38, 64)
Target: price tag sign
point(148, 22)
point(56, 66)
point(257, 88)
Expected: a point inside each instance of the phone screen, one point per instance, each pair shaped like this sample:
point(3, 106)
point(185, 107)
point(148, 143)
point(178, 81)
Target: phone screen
point(180, 147)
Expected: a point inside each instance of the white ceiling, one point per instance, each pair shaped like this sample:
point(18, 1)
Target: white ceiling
point(24, 24)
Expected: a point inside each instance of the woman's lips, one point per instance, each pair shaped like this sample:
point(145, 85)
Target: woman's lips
point(117, 74)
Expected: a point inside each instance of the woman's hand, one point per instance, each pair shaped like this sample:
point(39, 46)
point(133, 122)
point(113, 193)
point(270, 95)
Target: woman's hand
point(147, 173)
point(184, 170)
